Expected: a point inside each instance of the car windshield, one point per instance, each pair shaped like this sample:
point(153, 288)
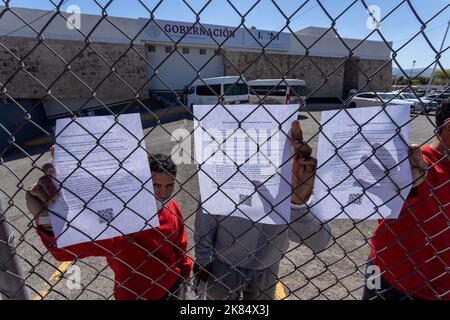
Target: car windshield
point(408, 96)
point(386, 96)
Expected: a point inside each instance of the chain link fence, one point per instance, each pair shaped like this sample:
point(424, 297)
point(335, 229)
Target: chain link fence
point(105, 67)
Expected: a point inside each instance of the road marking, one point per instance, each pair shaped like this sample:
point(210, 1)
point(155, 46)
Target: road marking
point(54, 278)
point(61, 269)
point(280, 294)
point(41, 295)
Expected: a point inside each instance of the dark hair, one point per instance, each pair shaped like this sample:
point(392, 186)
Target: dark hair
point(442, 113)
point(162, 163)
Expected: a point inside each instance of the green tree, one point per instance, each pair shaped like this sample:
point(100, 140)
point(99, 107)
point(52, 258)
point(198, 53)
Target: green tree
point(420, 80)
point(439, 77)
point(401, 80)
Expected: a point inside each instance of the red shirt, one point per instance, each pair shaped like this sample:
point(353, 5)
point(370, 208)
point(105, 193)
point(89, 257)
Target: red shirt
point(413, 251)
point(145, 264)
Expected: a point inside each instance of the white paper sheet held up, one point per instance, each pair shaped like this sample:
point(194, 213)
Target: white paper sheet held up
point(351, 181)
point(244, 153)
point(76, 143)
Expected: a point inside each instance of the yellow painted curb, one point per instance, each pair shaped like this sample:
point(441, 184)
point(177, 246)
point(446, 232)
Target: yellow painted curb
point(53, 278)
point(280, 294)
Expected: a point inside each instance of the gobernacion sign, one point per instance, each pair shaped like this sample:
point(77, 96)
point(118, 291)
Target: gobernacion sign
point(206, 34)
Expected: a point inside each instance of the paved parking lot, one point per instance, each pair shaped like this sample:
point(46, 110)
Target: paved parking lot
point(336, 273)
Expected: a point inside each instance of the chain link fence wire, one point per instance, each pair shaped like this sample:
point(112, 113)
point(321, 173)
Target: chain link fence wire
point(38, 70)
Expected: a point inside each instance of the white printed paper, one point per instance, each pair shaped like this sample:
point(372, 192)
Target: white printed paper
point(351, 181)
point(244, 155)
point(107, 177)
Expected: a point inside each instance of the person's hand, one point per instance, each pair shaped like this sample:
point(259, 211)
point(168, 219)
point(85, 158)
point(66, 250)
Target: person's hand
point(418, 165)
point(41, 194)
point(303, 166)
point(201, 272)
point(416, 161)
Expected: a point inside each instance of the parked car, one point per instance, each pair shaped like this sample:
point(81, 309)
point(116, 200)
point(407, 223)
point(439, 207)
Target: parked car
point(370, 99)
point(439, 95)
point(424, 104)
point(421, 92)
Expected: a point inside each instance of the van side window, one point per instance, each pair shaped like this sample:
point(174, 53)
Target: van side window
point(191, 90)
point(205, 91)
point(276, 91)
point(235, 89)
point(298, 90)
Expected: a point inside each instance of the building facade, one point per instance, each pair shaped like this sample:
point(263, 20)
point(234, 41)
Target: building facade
point(120, 59)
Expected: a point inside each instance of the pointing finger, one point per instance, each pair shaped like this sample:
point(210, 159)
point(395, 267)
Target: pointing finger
point(301, 149)
point(297, 134)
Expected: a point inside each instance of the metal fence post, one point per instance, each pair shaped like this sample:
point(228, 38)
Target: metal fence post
point(12, 285)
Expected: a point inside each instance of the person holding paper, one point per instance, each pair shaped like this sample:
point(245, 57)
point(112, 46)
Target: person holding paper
point(151, 264)
point(237, 256)
point(412, 252)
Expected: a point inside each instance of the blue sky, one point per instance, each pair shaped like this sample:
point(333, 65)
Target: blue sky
point(398, 27)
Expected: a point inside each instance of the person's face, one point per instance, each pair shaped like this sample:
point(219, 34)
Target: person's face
point(163, 185)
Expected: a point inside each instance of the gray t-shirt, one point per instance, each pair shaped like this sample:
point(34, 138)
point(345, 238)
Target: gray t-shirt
point(244, 243)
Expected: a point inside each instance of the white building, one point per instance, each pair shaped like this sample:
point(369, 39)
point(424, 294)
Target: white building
point(198, 44)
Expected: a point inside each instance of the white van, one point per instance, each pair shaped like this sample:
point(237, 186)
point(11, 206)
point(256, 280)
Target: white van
point(233, 90)
point(278, 91)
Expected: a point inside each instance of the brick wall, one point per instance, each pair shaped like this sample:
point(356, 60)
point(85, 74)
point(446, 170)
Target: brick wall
point(254, 66)
point(381, 81)
point(85, 63)
point(88, 65)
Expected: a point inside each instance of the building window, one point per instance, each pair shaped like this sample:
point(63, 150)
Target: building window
point(203, 52)
point(168, 49)
point(151, 48)
point(185, 50)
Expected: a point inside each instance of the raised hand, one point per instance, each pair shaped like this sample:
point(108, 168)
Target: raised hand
point(42, 193)
point(303, 166)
